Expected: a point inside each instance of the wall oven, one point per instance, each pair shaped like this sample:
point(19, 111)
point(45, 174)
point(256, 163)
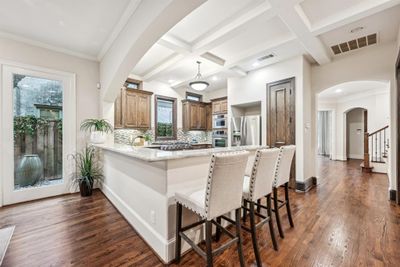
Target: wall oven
point(220, 138)
point(220, 121)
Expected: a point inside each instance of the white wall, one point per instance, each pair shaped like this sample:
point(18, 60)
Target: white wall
point(377, 102)
point(354, 132)
point(375, 63)
point(252, 88)
point(87, 76)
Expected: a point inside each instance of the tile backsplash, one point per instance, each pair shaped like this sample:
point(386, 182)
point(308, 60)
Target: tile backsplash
point(121, 136)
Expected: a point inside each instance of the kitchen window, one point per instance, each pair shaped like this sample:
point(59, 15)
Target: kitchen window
point(165, 117)
point(194, 97)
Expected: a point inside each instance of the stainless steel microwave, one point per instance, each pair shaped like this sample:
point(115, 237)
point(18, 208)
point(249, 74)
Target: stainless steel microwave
point(220, 121)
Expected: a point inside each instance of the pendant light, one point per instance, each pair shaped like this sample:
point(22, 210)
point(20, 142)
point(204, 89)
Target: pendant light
point(198, 84)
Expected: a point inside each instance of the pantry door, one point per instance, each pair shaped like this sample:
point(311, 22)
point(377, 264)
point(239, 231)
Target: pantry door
point(38, 133)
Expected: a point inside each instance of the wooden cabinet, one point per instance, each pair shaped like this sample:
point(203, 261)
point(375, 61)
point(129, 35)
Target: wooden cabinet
point(132, 109)
point(209, 116)
point(220, 106)
point(195, 116)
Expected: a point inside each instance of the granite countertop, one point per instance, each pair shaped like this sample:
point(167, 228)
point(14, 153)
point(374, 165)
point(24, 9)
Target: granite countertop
point(151, 154)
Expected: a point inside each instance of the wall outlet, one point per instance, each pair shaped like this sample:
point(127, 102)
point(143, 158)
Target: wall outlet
point(152, 217)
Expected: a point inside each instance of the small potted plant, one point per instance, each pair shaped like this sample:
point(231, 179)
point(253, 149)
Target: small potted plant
point(88, 171)
point(98, 128)
point(147, 139)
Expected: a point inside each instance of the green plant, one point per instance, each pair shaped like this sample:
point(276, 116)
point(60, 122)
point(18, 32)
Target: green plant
point(88, 168)
point(101, 125)
point(147, 137)
point(28, 125)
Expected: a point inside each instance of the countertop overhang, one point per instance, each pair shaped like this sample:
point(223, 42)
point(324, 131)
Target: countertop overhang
point(153, 155)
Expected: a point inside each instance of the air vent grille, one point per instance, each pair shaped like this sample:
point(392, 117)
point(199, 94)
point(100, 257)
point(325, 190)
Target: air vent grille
point(355, 44)
point(266, 57)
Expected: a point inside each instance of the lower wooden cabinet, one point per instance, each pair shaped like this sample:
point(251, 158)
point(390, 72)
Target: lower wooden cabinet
point(132, 109)
point(196, 115)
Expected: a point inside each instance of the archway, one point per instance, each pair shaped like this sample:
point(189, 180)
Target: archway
point(355, 126)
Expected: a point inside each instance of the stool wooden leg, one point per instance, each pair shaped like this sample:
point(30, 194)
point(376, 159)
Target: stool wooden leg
point(258, 207)
point(208, 243)
point(244, 210)
point(218, 231)
point(239, 236)
point(271, 224)
point(276, 209)
point(254, 234)
point(178, 230)
point(289, 212)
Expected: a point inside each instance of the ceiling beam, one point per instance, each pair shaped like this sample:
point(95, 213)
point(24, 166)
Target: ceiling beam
point(246, 55)
point(296, 23)
point(151, 20)
point(214, 38)
point(363, 10)
point(175, 44)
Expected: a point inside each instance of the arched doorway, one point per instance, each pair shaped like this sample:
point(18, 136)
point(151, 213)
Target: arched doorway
point(355, 126)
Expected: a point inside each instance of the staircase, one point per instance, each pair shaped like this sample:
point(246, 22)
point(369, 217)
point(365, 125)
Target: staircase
point(376, 147)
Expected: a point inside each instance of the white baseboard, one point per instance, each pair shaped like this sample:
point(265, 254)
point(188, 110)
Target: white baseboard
point(160, 245)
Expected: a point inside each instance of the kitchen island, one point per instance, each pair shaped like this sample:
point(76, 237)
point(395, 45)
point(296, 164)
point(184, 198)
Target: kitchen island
point(141, 183)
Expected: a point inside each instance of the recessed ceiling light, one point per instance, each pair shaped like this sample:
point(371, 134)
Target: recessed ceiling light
point(171, 80)
point(356, 29)
point(338, 90)
point(215, 78)
point(256, 64)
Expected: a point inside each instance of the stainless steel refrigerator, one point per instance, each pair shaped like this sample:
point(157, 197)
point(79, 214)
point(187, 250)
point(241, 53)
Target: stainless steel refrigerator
point(246, 130)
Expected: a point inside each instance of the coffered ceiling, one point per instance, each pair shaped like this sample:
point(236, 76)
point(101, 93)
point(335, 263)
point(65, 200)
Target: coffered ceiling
point(229, 36)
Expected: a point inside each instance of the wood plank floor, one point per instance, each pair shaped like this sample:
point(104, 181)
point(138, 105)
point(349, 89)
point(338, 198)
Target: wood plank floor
point(345, 221)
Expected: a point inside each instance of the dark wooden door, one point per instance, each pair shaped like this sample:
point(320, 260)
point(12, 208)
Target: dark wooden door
point(281, 117)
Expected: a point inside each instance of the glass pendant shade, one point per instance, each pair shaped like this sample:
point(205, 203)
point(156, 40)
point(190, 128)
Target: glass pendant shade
point(198, 84)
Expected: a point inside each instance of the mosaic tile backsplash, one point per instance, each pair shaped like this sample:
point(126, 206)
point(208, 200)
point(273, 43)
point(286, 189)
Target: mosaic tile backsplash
point(121, 136)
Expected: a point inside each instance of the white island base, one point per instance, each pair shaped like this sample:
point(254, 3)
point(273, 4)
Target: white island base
point(141, 183)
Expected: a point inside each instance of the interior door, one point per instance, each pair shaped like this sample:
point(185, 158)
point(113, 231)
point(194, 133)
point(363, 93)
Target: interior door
point(281, 116)
point(38, 132)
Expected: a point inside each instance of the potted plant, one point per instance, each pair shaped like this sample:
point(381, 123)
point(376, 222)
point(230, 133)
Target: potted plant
point(147, 139)
point(88, 170)
point(99, 128)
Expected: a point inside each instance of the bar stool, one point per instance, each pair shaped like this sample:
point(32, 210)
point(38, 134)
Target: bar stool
point(221, 194)
point(282, 176)
point(255, 187)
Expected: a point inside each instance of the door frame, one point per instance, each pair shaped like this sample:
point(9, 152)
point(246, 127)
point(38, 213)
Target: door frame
point(397, 78)
point(69, 133)
point(292, 80)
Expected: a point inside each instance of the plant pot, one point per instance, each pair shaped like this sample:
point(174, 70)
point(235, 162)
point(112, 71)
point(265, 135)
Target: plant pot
point(98, 137)
point(85, 189)
point(29, 170)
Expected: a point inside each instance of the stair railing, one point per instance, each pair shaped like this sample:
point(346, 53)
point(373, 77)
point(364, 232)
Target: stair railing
point(375, 146)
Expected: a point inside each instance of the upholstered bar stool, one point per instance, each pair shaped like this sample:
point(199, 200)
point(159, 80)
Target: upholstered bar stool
point(255, 187)
point(282, 176)
point(221, 194)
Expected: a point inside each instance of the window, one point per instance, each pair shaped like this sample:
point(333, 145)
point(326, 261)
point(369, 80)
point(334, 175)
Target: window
point(133, 84)
point(165, 118)
point(194, 97)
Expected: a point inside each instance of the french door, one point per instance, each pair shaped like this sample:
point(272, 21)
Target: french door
point(38, 133)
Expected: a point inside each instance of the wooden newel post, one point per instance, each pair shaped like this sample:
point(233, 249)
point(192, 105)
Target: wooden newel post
point(366, 152)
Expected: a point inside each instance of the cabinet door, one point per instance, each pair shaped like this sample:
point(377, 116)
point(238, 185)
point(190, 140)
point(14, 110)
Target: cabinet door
point(201, 116)
point(130, 109)
point(118, 111)
point(224, 106)
point(216, 107)
point(143, 111)
point(194, 122)
point(209, 117)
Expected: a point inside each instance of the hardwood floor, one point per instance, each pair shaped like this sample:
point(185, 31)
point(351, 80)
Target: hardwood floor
point(346, 221)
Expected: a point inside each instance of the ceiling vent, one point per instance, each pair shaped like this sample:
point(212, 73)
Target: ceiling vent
point(266, 57)
point(355, 44)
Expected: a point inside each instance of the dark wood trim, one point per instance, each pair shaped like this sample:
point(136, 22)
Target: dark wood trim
point(219, 99)
point(194, 95)
point(306, 185)
point(392, 195)
point(398, 127)
point(174, 117)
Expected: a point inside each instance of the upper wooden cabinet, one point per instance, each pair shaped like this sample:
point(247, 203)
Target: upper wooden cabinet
point(220, 105)
point(132, 109)
point(195, 115)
